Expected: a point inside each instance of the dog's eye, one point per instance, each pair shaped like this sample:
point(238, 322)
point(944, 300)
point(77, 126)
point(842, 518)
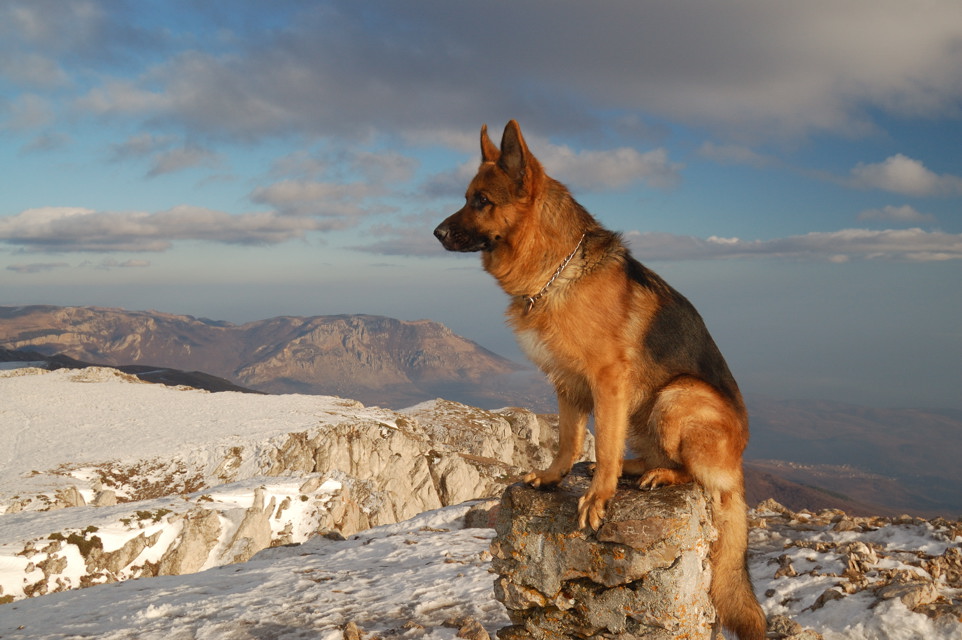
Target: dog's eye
point(480, 201)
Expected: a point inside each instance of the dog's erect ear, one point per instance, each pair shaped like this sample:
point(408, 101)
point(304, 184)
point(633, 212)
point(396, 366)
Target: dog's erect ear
point(489, 152)
point(514, 152)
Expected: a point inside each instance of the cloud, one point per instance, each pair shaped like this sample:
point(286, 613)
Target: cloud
point(180, 159)
point(60, 229)
point(163, 158)
point(402, 241)
point(36, 267)
point(383, 167)
point(109, 263)
point(349, 68)
point(889, 213)
point(901, 174)
point(909, 245)
point(610, 169)
point(734, 154)
point(80, 31)
point(139, 146)
point(33, 70)
point(27, 111)
point(339, 204)
point(49, 141)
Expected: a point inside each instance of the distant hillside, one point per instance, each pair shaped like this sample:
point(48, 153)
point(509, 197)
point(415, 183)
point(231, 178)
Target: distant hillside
point(907, 459)
point(160, 375)
point(373, 359)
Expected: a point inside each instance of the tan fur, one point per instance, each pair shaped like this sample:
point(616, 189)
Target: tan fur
point(603, 333)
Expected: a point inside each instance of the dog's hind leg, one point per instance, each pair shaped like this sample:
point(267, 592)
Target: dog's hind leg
point(572, 423)
point(705, 433)
point(701, 433)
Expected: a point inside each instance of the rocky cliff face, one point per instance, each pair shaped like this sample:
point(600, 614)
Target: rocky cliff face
point(369, 358)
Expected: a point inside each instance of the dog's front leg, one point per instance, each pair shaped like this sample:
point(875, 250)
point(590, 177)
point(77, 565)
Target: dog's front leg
point(611, 425)
point(572, 423)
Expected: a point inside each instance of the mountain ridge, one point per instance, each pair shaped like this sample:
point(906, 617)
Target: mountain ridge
point(370, 358)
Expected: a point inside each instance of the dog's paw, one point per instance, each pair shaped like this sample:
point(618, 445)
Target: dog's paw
point(542, 478)
point(591, 511)
point(654, 478)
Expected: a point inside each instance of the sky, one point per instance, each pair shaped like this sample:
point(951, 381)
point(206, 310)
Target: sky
point(792, 168)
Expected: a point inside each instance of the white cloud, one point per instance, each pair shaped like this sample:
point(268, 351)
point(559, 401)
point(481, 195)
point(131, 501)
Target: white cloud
point(906, 214)
point(609, 169)
point(901, 174)
point(338, 202)
point(911, 245)
point(61, 229)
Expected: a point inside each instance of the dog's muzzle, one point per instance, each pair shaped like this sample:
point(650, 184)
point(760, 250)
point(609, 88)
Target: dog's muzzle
point(454, 239)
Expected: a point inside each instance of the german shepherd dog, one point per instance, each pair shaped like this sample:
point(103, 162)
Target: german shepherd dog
point(616, 340)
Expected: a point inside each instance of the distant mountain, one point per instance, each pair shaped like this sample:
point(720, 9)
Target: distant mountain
point(373, 359)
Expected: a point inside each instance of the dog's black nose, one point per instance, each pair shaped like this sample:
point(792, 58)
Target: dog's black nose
point(441, 232)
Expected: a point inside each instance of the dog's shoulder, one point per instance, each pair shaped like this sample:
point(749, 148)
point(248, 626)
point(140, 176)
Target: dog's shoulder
point(608, 247)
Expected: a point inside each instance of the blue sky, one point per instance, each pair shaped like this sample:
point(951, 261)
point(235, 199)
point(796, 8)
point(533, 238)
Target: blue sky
point(793, 168)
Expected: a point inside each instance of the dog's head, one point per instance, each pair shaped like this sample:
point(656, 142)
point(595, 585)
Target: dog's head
point(498, 196)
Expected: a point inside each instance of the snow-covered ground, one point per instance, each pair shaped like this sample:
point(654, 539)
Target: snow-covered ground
point(55, 422)
point(421, 578)
point(424, 577)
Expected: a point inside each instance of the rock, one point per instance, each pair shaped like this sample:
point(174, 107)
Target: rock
point(199, 535)
point(948, 566)
point(468, 628)
point(782, 626)
point(106, 498)
point(254, 531)
point(827, 596)
point(912, 594)
point(115, 561)
point(483, 515)
point(69, 497)
point(352, 632)
point(785, 567)
point(645, 571)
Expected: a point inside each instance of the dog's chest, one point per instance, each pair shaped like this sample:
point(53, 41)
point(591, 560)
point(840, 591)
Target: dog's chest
point(536, 349)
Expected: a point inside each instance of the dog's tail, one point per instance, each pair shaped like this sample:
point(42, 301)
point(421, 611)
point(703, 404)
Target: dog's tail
point(731, 587)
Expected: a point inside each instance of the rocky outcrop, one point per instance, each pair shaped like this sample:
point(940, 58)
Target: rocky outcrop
point(187, 513)
point(643, 574)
